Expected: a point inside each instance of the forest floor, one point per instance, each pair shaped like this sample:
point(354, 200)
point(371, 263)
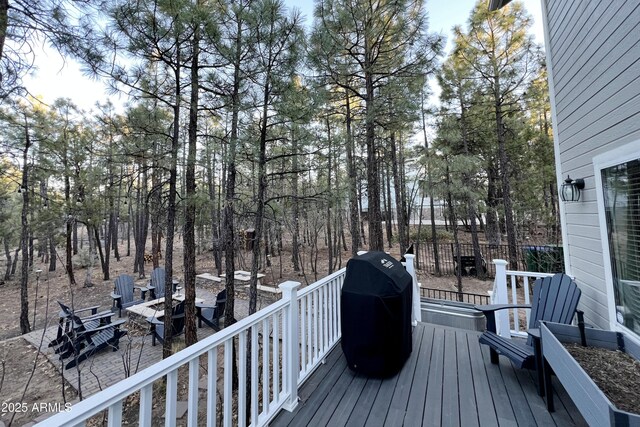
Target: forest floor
point(30, 386)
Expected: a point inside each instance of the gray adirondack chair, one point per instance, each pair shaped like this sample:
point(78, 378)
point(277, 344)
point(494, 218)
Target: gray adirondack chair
point(66, 325)
point(177, 324)
point(555, 299)
point(211, 314)
point(156, 286)
point(124, 293)
point(86, 341)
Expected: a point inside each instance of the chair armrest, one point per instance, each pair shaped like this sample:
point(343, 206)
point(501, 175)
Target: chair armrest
point(489, 312)
point(94, 309)
point(89, 332)
point(204, 305)
point(107, 314)
point(115, 296)
point(143, 291)
point(495, 307)
point(155, 320)
point(534, 332)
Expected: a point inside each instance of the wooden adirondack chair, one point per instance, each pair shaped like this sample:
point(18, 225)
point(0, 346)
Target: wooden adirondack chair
point(123, 293)
point(211, 314)
point(156, 286)
point(177, 323)
point(65, 324)
point(87, 341)
point(555, 299)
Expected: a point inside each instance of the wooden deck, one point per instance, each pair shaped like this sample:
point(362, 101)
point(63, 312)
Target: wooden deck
point(447, 381)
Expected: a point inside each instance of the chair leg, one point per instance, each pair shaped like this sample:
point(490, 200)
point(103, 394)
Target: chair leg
point(494, 356)
point(548, 387)
point(537, 350)
point(59, 335)
point(153, 335)
point(79, 358)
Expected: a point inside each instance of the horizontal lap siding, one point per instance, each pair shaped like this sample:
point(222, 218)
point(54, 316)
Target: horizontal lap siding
point(595, 55)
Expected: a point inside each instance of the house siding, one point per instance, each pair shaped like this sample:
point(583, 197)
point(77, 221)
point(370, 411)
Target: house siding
point(594, 72)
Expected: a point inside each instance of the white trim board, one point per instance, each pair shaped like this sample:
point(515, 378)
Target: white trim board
point(613, 157)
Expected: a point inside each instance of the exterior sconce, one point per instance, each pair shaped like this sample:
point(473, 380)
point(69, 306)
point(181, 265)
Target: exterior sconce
point(570, 191)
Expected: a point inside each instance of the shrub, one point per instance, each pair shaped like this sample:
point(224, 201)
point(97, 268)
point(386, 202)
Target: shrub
point(443, 236)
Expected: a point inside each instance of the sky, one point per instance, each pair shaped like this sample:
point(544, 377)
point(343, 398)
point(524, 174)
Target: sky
point(58, 78)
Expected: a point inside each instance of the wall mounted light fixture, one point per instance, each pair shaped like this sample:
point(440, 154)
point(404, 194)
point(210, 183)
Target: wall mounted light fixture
point(570, 191)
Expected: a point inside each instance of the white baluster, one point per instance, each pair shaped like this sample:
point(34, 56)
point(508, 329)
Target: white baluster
point(227, 414)
point(254, 375)
point(212, 382)
point(192, 412)
point(242, 378)
point(115, 414)
point(514, 300)
point(172, 397)
point(146, 398)
point(501, 297)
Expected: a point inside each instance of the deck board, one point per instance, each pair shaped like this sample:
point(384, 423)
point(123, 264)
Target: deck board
point(398, 407)
point(450, 391)
point(415, 406)
point(447, 380)
point(433, 402)
point(467, 394)
point(482, 390)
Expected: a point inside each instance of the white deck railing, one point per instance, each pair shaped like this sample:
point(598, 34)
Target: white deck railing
point(288, 339)
point(512, 287)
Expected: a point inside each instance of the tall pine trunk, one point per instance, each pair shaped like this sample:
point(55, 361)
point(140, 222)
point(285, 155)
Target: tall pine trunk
point(24, 217)
point(353, 190)
point(191, 336)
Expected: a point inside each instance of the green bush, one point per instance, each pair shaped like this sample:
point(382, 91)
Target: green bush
point(83, 259)
point(443, 236)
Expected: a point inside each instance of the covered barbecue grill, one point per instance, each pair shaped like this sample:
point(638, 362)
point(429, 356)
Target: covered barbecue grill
point(376, 314)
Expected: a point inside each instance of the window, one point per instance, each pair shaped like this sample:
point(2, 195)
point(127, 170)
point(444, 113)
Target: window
point(621, 196)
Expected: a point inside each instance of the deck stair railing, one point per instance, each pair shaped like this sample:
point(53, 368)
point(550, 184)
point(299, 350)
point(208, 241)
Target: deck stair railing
point(512, 287)
point(291, 338)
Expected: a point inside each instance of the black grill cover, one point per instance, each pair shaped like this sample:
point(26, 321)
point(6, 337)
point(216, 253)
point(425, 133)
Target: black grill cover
point(376, 314)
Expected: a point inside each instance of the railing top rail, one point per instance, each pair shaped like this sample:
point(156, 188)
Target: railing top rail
point(528, 273)
point(312, 287)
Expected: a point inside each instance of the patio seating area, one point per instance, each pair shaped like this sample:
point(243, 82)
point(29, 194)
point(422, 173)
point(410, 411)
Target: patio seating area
point(136, 352)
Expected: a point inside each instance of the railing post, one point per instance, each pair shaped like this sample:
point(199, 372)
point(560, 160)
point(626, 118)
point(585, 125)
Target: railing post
point(417, 313)
point(500, 296)
point(292, 352)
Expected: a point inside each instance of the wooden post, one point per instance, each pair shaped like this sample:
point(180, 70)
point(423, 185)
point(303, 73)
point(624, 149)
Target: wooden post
point(501, 297)
point(292, 349)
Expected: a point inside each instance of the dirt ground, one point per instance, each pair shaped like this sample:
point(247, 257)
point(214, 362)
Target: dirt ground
point(30, 385)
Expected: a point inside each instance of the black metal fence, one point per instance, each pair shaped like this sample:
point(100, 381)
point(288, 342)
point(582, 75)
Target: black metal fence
point(454, 296)
point(547, 258)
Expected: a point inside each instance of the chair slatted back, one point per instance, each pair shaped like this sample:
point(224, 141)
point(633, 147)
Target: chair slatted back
point(177, 318)
point(221, 302)
point(124, 286)
point(66, 309)
point(555, 299)
point(157, 281)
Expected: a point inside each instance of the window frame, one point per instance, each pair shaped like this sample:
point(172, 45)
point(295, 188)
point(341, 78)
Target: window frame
point(614, 157)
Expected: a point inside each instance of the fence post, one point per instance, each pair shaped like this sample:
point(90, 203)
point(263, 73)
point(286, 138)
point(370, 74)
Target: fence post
point(417, 314)
point(292, 352)
point(500, 296)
